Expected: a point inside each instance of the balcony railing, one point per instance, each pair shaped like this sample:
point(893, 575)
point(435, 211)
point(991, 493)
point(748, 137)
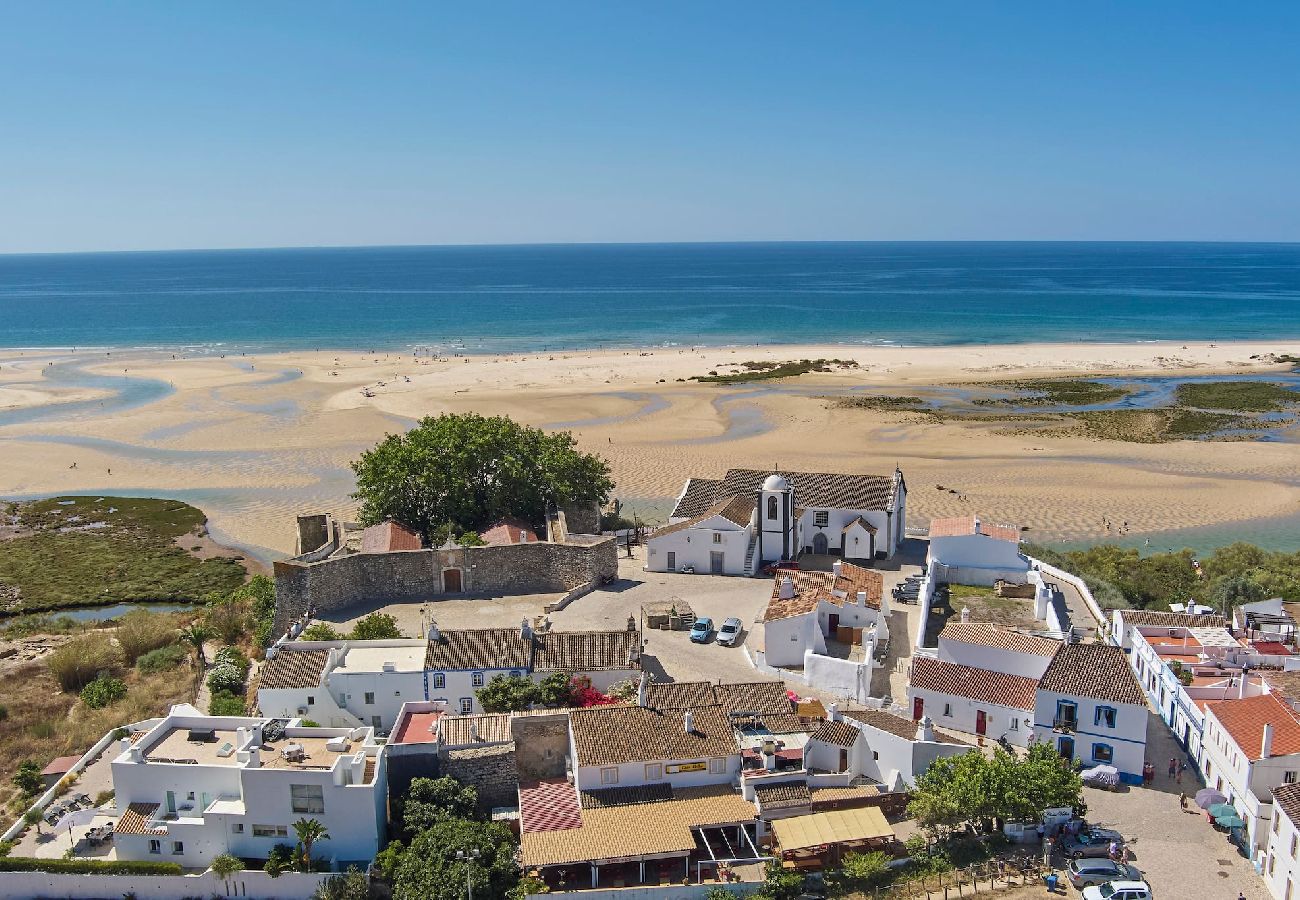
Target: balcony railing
point(1065, 724)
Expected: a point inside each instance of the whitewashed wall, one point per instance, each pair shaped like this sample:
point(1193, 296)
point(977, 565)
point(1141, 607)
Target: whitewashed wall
point(253, 884)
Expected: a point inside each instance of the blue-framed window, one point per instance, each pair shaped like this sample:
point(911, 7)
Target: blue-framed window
point(1103, 753)
point(1067, 713)
point(1105, 716)
point(439, 680)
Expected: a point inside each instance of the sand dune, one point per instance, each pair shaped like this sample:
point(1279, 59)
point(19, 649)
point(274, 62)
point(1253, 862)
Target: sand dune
point(257, 439)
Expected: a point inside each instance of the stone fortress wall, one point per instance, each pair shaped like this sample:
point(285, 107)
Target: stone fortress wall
point(310, 583)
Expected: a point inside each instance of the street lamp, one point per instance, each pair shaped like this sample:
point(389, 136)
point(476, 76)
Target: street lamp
point(468, 857)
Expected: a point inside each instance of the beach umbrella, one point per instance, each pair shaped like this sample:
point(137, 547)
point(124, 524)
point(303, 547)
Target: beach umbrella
point(1232, 821)
point(75, 819)
point(1207, 797)
point(1222, 809)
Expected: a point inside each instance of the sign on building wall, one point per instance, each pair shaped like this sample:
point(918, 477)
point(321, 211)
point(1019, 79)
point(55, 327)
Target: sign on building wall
point(685, 767)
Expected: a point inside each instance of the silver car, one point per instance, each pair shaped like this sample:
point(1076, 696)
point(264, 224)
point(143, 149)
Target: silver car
point(1083, 872)
point(729, 632)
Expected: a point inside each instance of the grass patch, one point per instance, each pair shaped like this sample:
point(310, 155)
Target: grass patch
point(881, 402)
point(1153, 426)
point(87, 551)
point(1057, 391)
point(986, 606)
point(1242, 396)
point(767, 371)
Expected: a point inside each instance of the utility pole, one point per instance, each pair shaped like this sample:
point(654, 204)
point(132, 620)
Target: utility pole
point(468, 857)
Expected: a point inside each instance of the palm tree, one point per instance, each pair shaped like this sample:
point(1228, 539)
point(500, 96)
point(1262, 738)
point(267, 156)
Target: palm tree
point(195, 635)
point(309, 831)
point(33, 817)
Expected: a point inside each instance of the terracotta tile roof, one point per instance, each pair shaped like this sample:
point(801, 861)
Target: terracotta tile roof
point(825, 490)
point(508, 531)
point(1098, 671)
point(1284, 684)
point(813, 587)
point(549, 805)
point(858, 520)
point(679, 694)
point(491, 728)
point(975, 684)
point(836, 795)
point(389, 536)
point(736, 510)
point(479, 648)
point(841, 734)
point(753, 697)
point(988, 634)
point(786, 795)
point(647, 829)
point(698, 495)
point(1287, 797)
point(961, 526)
point(136, 819)
point(60, 765)
point(778, 723)
point(1170, 619)
point(895, 725)
point(612, 735)
point(587, 651)
point(606, 798)
point(293, 669)
point(1245, 719)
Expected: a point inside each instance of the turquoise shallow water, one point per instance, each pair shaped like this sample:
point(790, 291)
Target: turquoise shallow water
point(488, 299)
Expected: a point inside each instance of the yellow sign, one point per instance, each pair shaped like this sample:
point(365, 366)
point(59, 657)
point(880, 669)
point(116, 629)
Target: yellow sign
point(686, 767)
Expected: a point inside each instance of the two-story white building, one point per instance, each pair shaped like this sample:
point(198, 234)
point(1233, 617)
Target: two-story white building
point(1090, 707)
point(966, 550)
point(195, 786)
point(1281, 863)
point(749, 518)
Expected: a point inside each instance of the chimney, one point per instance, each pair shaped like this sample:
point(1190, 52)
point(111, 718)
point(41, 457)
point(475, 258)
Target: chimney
point(834, 711)
point(434, 633)
point(688, 722)
point(641, 689)
point(1266, 745)
point(977, 525)
point(525, 630)
point(837, 567)
point(124, 744)
point(884, 601)
point(787, 588)
point(925, 730)
point(254, 758)
point(631, 623)
point(965, 615)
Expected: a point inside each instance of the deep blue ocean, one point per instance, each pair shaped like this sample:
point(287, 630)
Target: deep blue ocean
point(498, 298)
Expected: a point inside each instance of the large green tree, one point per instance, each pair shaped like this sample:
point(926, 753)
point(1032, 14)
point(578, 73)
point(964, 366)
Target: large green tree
point(429, 869)
point(429, 801)
point(468, 470)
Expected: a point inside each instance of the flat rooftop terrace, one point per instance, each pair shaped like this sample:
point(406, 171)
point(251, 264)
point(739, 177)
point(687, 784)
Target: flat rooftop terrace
point(177, 747)
point(361, 659)
point(417, 728)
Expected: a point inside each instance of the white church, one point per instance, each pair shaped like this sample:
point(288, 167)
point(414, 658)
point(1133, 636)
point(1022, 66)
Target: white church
point(751, 518)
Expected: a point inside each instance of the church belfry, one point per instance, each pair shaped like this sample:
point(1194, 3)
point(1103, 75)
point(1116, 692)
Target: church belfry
point(776, 523)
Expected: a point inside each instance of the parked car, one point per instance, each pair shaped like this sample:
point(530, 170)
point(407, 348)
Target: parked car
point(1090, 842)
point(729, 633)
point(1118, 890)
point(1085, 872)
point(702, 630)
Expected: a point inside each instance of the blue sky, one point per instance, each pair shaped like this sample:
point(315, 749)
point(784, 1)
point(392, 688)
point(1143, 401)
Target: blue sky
point(160, 125)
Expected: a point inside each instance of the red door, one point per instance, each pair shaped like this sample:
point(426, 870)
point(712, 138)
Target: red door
point(918, 708)
point(981, 721)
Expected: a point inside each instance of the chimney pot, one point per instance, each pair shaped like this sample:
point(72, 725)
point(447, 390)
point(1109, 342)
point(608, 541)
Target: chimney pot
point(837, 567)
point(688, 722)
point(925, 730)
point(965, 615)
point(787, 588)
point(1266, 744)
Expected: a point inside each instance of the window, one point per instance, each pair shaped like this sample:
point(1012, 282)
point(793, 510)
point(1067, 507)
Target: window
point(1015, 725)
point(1272, 861)
point(875, 754)
point(178, 848)
point(1294, 841)
point(1067, 713)
point(718, 766)
point(1104, 716)
point(771, 507)
point(466, 705)
point(672, 560)
point(439, 680)
point(1288, 777)
point(821, 518)
point(654, 771)
point(237, 828)
point(377, 722)
point(1277, 822)
point(307, 798)
point(609, 775)
point(1103, 753)
point(155, 846)
point(476, 679)
point(947, 710)
point(311, 701)
point(515, 673)
point(270, 831)
point(370, 698)
point(717, 537)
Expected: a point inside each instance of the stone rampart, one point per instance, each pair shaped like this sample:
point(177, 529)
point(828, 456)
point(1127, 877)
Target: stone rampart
point(418, 575)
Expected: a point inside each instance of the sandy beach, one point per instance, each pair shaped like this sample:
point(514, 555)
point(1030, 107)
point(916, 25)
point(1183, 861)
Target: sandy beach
point(256, 439)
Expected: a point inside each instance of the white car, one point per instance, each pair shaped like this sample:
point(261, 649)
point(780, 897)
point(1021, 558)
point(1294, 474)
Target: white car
point(729, 633)
point(1118, 890)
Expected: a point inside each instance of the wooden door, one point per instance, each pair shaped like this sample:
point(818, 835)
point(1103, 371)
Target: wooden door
point(981, 722)
point(918, 708)
point(451, 581)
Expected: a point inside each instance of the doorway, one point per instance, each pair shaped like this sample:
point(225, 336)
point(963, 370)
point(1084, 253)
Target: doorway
point(918, 708)
point(451, 583)
point(833, 625)
point(820, 543)
point(981, 722)
point(717, 562)
point(1066, 747)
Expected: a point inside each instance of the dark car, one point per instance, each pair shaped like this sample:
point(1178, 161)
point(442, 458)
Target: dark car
point(1091, 842)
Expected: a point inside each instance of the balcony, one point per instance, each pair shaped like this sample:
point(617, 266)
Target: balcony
point(1065, 724)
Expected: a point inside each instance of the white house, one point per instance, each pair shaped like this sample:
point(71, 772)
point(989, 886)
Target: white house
point(972, 700)
point(1090, 707)
point(1281, 864)
point(808, 607)
point(749, 518)
point(1251, 748)
point(966, 550)
point(895, 751)
point(195, 786)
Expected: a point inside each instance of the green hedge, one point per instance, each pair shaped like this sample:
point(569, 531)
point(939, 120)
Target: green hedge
point(87, 866)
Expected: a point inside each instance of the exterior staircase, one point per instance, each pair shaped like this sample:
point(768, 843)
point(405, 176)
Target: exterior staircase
point(750, 568)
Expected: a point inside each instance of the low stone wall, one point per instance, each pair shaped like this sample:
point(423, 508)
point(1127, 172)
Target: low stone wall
point(417, 575)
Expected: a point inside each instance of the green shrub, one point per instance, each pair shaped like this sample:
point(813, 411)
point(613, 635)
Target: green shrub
point(81, 660)
point(28, 777)
point(226, 678)
point(320, 631)
point(308, 723)
point(103, 691)
point(87, 866)
point(232, 656)
point(376, 627)
point(281, 859)
point(163, 659)
point(141, 631)
point(224, 703)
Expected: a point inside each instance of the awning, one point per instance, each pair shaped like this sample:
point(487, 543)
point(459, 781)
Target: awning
point(840, 826)
point(1230, 821)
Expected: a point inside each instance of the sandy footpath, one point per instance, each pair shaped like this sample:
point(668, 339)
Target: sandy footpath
point(258, 439)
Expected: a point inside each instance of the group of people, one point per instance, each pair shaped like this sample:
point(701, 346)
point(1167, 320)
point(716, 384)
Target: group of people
point(1176, 770)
